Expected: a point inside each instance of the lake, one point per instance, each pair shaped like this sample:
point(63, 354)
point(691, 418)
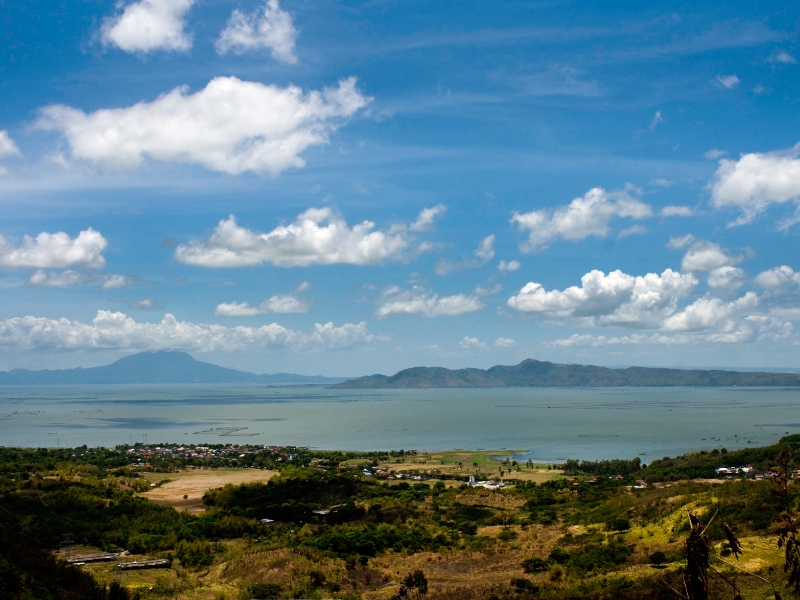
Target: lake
point(549, 424)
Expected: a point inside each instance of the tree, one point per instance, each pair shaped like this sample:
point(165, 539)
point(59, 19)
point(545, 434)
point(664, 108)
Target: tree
point(413, 582)
point(658, 558)
point(619, 525)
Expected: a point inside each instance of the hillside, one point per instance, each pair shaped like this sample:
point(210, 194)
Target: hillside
point(534, 373)
point(154, 367)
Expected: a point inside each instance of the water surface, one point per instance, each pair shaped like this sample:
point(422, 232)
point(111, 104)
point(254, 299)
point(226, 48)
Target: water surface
point(550, 424)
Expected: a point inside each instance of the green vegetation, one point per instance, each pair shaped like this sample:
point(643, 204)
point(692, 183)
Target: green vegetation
point(535, 373)
point(322, 529)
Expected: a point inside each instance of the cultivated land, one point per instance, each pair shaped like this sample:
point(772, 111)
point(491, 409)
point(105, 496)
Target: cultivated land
point(595, 530)
point(184, 490)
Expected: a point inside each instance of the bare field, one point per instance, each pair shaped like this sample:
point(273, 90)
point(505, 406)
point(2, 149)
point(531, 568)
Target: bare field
point(184, 490)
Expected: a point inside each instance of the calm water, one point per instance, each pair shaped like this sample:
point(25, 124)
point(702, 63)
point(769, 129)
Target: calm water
point(549, 424)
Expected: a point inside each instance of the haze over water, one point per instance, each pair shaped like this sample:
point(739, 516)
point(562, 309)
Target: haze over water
point(549, 424)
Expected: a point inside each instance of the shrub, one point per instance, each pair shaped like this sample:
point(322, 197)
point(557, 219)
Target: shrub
point(520, 584)
point(534, 565)
point(657, 558)
point(265, 591)
point(468, 528)
point(507, 535)
point(559, 555)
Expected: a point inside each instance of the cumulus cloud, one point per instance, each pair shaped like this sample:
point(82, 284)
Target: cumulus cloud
point(757, 180)
point(778, 278)
point(270, 27)
point(483, 254)
point(727, 81)
point(714, 153)
point(143, 304)
point(42, 278)
point(115, 330)
point(581, 218)
point(726, 278)
point(613, 299)
point(676, 211)
point(511, 265)
point(471, 343)
point(705, 256)
point(230, 126)
point(657, 118)
point(280, 304)
point(149, 25)
point(419, 302)
point(317, 237)
point(54, 251)
point(707, 313)
point(502, 342)
point(427, 218)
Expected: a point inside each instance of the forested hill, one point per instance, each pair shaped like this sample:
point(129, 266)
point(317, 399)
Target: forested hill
point(154, 367)
point(534, 373)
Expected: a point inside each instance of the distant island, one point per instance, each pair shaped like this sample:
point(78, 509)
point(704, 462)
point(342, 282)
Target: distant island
point(155, 367)
point(535, 373)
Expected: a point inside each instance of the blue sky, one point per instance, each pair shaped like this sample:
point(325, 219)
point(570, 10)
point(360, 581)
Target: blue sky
point(345, 188)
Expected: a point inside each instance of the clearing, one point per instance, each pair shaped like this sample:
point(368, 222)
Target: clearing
point(184, 490)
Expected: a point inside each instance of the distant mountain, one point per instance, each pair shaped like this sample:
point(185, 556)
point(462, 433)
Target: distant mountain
point(534, 373)
point(154, 367)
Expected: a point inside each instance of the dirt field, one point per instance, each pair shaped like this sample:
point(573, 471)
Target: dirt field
point(193, 484)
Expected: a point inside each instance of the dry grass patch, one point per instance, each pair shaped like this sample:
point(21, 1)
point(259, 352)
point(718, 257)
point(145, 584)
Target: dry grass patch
point(185, 489)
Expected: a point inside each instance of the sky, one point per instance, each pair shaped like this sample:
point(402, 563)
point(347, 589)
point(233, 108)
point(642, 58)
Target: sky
point(356, 187)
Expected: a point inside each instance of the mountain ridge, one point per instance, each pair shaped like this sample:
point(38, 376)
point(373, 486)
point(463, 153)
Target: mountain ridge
point(154, 367)
point(535, 373)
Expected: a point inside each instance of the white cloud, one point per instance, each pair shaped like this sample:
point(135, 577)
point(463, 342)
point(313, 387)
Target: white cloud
point(782, 56)
point(632, 230)
point(280, 304)
point(778, 278)
point(704, 320)
point(511, 265)
point(726, 278)
point(427, 217)
point(7, 145)
point(583, 217)
point(115, 330)
point(144, 304)
point(270, 27)
point(470, 343)
point(346, 336)
point(483, 254)
point(613, 299)
point(230, 126)
point(55, 251)
point(420, 302)
point(502, 342)
point(714, 153)
point(481, 291)
point(676, 211)
point(657, 118)
point(706, 256)
point(115, 282)
point(707, 313)
point(680, 241)
point(42, 278)
point(757, 180)
point(317, 237)
point(149, 25)
point(727, 81)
